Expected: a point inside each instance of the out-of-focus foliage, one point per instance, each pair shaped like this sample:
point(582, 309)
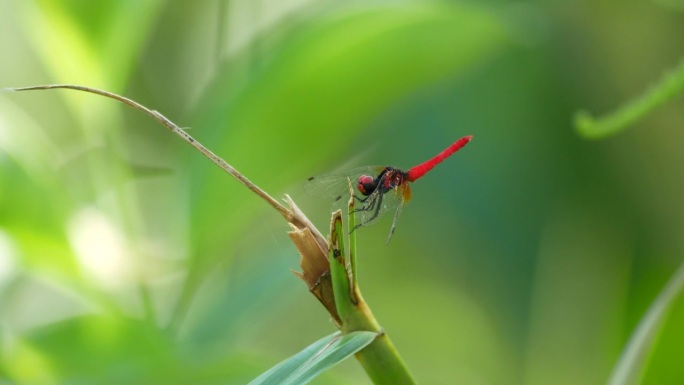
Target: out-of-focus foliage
point(667, 88)
point(527, 258)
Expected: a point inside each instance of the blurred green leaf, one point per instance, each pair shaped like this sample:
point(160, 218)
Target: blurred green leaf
point(342, 69)
point(37, 230)
point(96, 349)
point(630, 367)
point(230, 296)
point(315, 359)
point(92, 42)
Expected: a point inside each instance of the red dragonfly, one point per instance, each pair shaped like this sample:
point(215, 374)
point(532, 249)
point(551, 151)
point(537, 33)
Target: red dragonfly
point(384, 188)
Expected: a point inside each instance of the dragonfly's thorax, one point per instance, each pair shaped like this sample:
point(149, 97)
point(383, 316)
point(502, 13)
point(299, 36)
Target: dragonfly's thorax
point(390, 178)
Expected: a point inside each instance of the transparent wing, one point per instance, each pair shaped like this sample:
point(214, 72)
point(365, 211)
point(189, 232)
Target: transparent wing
point(334, 186)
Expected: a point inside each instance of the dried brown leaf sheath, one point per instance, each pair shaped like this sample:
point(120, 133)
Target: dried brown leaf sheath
point(314, 263)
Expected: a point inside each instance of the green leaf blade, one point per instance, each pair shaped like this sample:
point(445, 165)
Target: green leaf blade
point(632, 362)
point(316, 358)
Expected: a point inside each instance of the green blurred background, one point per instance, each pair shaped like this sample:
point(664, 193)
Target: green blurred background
point(527, 258)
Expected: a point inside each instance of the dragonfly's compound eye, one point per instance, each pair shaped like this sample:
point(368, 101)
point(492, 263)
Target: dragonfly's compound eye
point(366, 185)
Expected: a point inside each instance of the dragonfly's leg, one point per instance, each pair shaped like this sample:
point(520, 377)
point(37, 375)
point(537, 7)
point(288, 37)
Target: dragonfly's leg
point(368, 203)
point(375, 203)
point(367, 206)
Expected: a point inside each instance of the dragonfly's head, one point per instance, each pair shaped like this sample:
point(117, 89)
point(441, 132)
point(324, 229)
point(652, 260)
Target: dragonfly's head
point(366, 184)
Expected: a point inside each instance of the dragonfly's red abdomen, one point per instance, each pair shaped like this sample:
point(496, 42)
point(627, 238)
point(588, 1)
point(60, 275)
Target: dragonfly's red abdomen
point(418, 171)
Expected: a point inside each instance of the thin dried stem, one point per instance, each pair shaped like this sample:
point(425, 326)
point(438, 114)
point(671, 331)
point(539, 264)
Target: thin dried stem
point(285, 212)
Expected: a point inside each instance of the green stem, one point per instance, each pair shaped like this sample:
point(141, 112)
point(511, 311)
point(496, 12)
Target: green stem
point(597, 128)
point(380, 359)
point(338, 269)
point(351, 221)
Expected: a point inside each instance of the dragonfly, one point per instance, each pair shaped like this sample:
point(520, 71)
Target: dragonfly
point(384, 188)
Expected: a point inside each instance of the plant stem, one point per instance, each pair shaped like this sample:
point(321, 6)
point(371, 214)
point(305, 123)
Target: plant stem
point(380, 359)
point(351, 223)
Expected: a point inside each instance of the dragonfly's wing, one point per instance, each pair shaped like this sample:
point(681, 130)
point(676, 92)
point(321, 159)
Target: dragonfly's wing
point(404, 193)
point(328, 186)
point(334, 186)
